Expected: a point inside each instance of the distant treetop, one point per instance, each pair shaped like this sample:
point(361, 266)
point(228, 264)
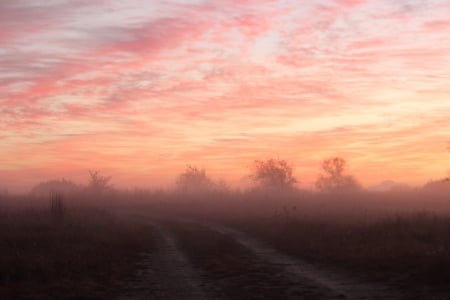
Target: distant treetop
point(62, 186)
point(273, 173)
point(194, 179)
point(333, 178)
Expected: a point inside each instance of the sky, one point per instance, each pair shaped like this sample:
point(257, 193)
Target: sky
point(139, 89)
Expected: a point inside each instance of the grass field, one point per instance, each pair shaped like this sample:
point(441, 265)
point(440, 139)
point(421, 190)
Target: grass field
point(402, 239)
point(410, 250)
point(404, 243)
point(80, 255)
point(84, 248)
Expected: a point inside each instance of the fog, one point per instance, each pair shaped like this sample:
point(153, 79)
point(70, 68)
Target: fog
point(340, 238)
point(194, 192)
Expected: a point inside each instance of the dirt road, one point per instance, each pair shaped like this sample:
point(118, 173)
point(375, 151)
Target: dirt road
point(209, 261)
point(165, 274)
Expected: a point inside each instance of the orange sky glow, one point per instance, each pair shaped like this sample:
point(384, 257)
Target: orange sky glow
point(139, 89)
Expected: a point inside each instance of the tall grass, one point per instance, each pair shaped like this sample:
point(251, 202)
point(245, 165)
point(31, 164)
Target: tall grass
point(57, 207)
point(82, 257)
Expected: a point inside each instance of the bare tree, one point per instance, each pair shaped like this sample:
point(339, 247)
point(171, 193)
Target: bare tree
point(273, 173)
point(333, 178)
point(99, 183)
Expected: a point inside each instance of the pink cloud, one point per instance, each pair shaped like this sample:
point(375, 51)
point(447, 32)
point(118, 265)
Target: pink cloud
point(351, 3)
point(371, 43)
point(438, 25)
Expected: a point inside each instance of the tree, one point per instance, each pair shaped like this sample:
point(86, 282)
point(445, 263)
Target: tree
point(333, 178)
point(99, 183)
point(62, 186)
point(194, 179)
point(273, 173)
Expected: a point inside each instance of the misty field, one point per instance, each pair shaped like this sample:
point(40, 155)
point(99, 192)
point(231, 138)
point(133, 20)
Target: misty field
point(79, 253)
point(402, 250)
point(185, 245)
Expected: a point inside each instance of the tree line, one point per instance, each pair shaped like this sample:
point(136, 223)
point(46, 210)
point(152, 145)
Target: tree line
point(266, 174)
point(276, 174)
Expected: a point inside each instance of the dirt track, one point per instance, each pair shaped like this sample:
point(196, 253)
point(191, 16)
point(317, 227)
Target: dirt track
point(166, 274)
point(337, 286)
point(210, 261)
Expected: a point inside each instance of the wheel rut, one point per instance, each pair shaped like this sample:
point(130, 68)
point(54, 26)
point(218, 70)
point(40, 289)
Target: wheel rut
point(211, 261)
point(334, 285)
point(164, 274)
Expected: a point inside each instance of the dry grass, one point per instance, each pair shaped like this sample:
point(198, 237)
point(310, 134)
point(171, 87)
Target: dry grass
point(410, 249)
point(84, 252)
point(80, 256)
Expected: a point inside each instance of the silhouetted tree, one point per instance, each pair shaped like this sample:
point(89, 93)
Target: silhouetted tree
point(194, 179)
point(61, 186)
point(99, 183)
point(333, 178)
point(273, 173)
